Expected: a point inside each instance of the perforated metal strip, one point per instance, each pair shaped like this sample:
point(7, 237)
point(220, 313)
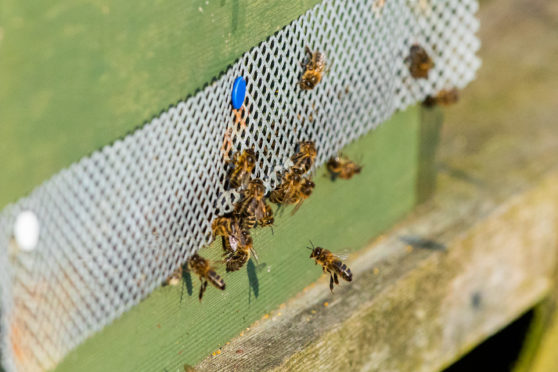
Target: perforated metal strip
point(115, 224)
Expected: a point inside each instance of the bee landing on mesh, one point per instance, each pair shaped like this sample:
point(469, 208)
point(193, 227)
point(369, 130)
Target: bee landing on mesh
point(313, 71)
point(252, 208)
point(419, 62)
point(243, 165)
point(304, 158)
point(332, 264)
point(203, 269)
point(342, 167)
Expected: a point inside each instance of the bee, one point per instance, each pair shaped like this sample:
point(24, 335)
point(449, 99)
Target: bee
point(332, 264)
point(202, 268)
point(238, 251)
point(342, 167)
point(419, 62)
point(445, 97)
point(243, 166)
point(313, 70)
point(230, 229)
point(294, 189)
point(304, 157)
point(253, 209)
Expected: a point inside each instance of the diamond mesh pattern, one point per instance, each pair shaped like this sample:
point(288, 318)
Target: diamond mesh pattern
point(117, 223)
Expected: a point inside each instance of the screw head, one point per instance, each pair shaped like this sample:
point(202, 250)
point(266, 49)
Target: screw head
point(26, 230)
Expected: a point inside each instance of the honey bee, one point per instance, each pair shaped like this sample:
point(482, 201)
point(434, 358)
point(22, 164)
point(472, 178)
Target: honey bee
point(238, 251)
point(445, 97)
point(332, 264)
point(342, 167)
point(294, 189)
point(419, 62)
point(313, 71)
point(202, 268)
point(243, 166)
point(253, 209)
point(304, 157)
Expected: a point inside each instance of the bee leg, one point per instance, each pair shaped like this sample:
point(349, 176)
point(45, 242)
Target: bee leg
point(331, 283)
point(202, 289)
point(335, 278)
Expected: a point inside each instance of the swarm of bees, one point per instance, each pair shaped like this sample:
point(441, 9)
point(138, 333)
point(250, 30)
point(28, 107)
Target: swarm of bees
point(253, 211)
point(419, 62)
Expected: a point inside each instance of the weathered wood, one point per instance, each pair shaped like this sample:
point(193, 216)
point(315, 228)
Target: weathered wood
point(77, 75)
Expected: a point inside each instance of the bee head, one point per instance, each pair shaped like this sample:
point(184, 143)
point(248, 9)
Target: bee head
point(315, 250)
point(256, 187)
point(307, 187)
point(250, 156)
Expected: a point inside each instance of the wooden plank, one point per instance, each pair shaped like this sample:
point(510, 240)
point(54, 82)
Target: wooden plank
point(170, 328)
point(77, 75)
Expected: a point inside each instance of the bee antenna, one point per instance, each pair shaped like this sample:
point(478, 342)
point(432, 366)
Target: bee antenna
point(312, 245)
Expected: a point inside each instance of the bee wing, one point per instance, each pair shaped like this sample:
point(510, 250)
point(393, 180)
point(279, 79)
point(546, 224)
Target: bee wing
point(343, 255)
point(255, 255)
point(297, 206)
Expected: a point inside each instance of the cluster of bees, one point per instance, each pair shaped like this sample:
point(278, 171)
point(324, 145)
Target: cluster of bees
point(296, 186)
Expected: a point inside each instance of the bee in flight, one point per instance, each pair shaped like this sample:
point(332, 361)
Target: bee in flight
point(294, 189)
point(342, 167)
point(313, 71)
point(419, 62)
point(332, 264)
point(304, 157)
point(252, 208)
point(202, 268)
point(445, 97)
point(243, 166)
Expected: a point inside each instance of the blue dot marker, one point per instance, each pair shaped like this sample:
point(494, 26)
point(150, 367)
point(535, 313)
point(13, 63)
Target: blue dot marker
point(238, 92)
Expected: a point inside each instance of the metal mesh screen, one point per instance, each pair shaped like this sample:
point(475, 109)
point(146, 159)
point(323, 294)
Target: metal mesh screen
point(117, 223)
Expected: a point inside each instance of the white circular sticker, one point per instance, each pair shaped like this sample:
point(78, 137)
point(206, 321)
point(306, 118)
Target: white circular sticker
point(26, 230)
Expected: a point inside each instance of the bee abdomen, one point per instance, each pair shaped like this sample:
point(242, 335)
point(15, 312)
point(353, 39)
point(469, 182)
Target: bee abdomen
point(216, 280)
point(343, 270)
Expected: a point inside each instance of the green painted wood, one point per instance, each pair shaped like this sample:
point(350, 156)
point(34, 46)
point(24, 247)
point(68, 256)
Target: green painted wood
point(77, 74)
point(170, 328)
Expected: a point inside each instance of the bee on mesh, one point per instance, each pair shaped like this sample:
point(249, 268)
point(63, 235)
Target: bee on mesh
point(331, 264)
point(237, 242)
point(294, 189)
point(419, 62)
point(252, 208)
point(342, 167)
point(445, 97)
point(243, 165)
point(207, 274)
point(304, 157)
point(313, 70)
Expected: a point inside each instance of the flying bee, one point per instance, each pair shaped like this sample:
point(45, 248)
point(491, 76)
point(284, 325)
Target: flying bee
point(253, 209)
point(202, 268)
point(313, 71)
point(342, 167)
point(332, 264)
point(243, 166)
point(445, 97)
point(304, 157)
point(419, 62)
